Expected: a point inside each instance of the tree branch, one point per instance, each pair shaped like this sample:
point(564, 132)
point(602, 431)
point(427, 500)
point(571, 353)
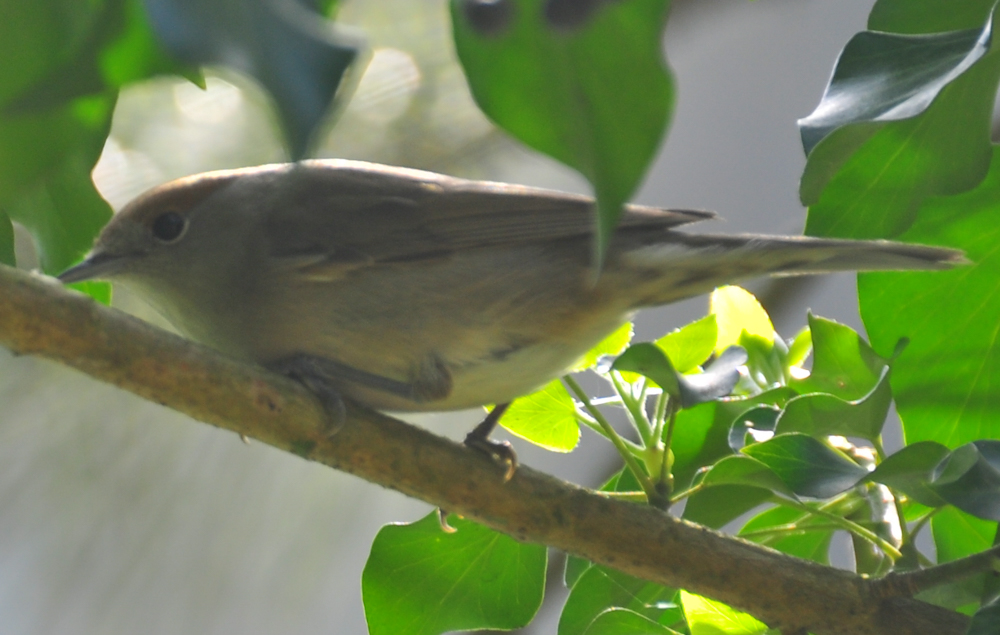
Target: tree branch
point(39, 317)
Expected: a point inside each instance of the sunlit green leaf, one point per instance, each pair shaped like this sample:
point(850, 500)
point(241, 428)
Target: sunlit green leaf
point(689, 346)
point(625, 622)
point(420, 580)
point(600, 588)
point(944, 382)
point(737, 310)
point(708, 617)
point(562, 82)
point(546, 418)
point(610, 345)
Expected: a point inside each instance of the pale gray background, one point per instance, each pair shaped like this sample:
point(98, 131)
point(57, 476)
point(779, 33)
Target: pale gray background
point(119, 516)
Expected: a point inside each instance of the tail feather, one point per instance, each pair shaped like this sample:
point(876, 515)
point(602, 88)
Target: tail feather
point(685, 265)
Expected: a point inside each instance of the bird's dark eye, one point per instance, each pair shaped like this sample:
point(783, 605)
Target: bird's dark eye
point(169, 226)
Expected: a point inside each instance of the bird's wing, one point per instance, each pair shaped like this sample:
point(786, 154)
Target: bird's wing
point(350, 214)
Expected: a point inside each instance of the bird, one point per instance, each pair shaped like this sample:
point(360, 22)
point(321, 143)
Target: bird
point(405, 290)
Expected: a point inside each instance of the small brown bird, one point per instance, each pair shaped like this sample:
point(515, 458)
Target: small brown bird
point(407, 290)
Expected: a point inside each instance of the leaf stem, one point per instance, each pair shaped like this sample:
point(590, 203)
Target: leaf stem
point(640, 475)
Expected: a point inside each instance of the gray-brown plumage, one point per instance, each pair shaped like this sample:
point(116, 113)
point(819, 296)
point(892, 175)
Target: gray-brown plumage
point(421, 291)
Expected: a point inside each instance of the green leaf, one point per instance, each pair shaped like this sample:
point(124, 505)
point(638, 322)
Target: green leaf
point(717, 381)
point(600, 588)
point(760, 420)
point(546, 417)
point(63, 212)
point(737, 310)
point(807, 466)
point(589, 88)
point(821, 415)
point(969, 478)
point(6, 240)
point(810, 544)
point(957, 535)
point(745, 470)
point(610, 345)
point(986, 621)
point(716, 506)
point(887, 77)
point(843, 363)
point(867, 180)
point(420, 580)
point(928, 16)
point(944, 382)
point(911, 469)
point(708, 617)
point(800, 348)
point(296, 55)
point(689, 346)
point(625, 622)
point(118, 48)
point(701, 434)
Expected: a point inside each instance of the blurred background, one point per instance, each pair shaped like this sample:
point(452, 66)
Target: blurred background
point(120, 516)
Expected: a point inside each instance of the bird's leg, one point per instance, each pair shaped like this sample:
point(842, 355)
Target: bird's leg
point(500, 451)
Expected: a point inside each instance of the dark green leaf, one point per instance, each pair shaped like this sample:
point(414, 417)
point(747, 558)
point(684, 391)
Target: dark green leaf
point(689, 346)
point(759, 419)
point(6, 240)
point(63, 212)
point(843, 363)
point(601, 588)
point(969, 479)
point(717, 380)
point(291, 50)
point(593, 92)
point(868, 180)
point(625, 622)
point(821, 415)
point(957, 535)
point(986, 621)
point(807, 466)
point(944, 382)
point(887, 77)
point(911, 469)
point(546, 418)
point(118, 48)
point(928, 16)
point(802, 542)
point(701, 434)
point(716, 506)
point(420, 580)
point(744, 470)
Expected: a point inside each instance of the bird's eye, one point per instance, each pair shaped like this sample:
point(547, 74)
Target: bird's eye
point(169, 226)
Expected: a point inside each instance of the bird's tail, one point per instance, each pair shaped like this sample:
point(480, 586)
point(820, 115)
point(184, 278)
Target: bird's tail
point(688, 264)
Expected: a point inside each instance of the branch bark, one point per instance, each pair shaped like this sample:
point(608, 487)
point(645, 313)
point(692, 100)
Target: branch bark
point(39, 317)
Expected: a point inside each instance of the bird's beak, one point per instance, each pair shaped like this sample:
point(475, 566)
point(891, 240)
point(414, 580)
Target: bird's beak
point(95, 266)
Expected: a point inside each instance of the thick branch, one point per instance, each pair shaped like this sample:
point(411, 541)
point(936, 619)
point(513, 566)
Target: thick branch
point(38, 317)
